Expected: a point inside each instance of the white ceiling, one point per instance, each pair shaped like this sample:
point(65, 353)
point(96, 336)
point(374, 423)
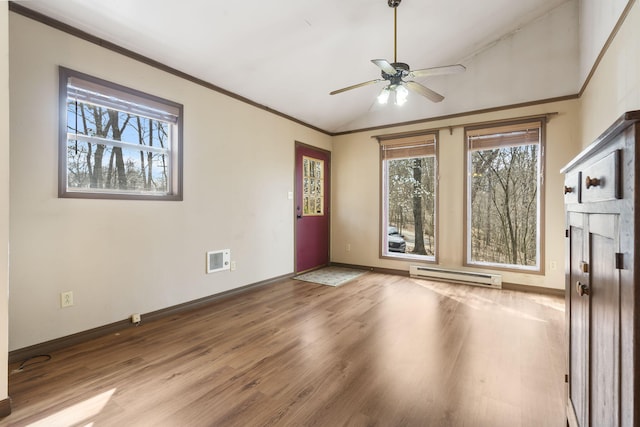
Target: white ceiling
point(289, 55)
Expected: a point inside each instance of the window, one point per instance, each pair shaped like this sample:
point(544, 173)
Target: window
point(504, 191)
point(117, 142)
point(312, 189)
point(409, 182)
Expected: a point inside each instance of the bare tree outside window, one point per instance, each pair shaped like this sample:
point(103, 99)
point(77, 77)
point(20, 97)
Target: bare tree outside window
point(103, 166)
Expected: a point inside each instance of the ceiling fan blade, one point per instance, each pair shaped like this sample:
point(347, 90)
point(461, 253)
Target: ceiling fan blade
point(344, 89)
point(424, 91)
point(384, 65)
point(437, 71)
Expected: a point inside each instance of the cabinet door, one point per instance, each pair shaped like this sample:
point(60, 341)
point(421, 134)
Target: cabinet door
point(605, 321)
point(578, 320)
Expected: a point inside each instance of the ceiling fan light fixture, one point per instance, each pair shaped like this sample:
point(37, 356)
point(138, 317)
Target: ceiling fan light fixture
point(398, 94)
point(383, 96)
point(401, 95)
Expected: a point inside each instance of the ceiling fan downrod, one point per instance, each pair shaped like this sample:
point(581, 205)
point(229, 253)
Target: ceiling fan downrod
point(394, 4)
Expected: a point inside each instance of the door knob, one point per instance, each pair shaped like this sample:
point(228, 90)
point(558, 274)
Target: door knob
point(582, 289)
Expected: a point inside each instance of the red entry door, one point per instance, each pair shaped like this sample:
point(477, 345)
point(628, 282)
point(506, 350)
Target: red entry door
point(311, 207)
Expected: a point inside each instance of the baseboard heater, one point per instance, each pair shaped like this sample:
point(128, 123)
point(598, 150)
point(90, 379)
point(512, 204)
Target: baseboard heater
point(467, 277)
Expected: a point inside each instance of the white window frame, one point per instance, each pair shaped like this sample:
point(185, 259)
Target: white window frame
point(110, 95)
point(507, 131)
point(408, 143)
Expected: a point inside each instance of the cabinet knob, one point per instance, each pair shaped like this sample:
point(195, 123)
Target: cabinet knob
point(582, 289)
point(568, 189)
point(592, 182)
point(584, 267)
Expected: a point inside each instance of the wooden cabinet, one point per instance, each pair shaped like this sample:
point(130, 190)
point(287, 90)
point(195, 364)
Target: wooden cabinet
point(601, 283)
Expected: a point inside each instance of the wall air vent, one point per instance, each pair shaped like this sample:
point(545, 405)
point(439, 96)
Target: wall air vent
point(218, 260)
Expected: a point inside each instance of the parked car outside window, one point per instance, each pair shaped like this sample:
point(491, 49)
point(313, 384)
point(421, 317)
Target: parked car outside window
point(396, 240)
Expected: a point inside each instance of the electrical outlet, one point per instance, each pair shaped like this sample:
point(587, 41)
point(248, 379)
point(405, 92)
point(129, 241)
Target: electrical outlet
point(348, 247)
point(136, 318)
point(66, 299)
point(233, 266)
point(553, 265)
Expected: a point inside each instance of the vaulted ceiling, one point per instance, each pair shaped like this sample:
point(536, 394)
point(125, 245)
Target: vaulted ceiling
point(288, 56)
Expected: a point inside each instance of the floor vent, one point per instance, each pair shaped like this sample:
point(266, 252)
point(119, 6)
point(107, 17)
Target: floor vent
point(468, 277)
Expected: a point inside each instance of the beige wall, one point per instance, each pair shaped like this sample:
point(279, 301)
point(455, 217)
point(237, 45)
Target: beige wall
point(356, 192)
point(4, 195)
point(597, 19)
point(124, 257)
point(615, 86)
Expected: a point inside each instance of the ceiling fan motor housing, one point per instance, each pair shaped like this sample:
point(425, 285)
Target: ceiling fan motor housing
point(393, 3)
point(402, 70)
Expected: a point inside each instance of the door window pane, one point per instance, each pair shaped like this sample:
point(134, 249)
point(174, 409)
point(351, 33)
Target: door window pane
point(312, 186)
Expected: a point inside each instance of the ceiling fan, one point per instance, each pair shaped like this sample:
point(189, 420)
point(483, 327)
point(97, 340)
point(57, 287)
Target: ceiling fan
point(396, 72)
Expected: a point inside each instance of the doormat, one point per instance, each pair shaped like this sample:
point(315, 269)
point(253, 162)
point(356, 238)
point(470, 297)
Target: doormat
point(331, 276)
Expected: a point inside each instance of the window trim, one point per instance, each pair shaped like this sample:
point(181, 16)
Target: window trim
point(540, 268)
point(399, 139)
point(176, 180)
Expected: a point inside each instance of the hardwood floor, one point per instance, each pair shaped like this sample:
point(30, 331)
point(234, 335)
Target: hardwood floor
point(381, 350)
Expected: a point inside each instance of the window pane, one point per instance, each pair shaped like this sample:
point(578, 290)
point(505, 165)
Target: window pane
point(312, 188)
point(503, 213)
point(102, 166)
point(409, 197)
point(116, 142)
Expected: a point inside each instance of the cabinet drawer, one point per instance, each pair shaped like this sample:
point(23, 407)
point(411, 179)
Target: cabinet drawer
point(572, 187)
point(601, 180)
